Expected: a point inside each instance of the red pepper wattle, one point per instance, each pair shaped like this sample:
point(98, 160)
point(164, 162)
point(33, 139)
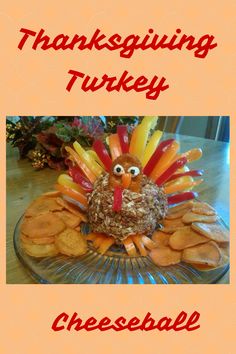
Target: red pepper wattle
point(123, 137)
point(102, 153)
point(171, 170)
point(181, 197)
point(156, 156)
point(117, 203)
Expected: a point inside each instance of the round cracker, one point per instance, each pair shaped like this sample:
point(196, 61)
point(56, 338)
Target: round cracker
point(71, 243)
point(215, 232)
point(186, 237)
point(165, 256)
point(207, 254)
point(44, 225)
point(37, 241)
point(190, 217)
point(161, 238)
point(42, 205)
point(68, 218)
point(40, 250)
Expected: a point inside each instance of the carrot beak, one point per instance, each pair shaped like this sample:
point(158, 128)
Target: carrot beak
point(126, 180)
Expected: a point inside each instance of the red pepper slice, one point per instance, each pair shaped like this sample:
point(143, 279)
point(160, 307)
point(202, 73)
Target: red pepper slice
point(102, 153)
point(192, 173)
point(123, 137)
point(156, 156)
point(181, 197)
point(117, 203)
point(77, 177)
point(171, 170)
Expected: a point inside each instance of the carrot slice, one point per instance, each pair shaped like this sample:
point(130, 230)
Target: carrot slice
point(98, 241)
point(148, 242)
point(106, 244)
point(72, 194)
point(130, 247)
point(88, 173)
point(139, 244)
point(114, 145)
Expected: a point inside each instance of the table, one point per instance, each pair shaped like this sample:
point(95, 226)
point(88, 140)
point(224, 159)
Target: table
point(25, 184)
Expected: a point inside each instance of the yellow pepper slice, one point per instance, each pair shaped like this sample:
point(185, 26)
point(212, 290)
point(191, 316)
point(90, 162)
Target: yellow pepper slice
point(67, 181)
point(151, 146)
point(165, 161)
point(94, 156)
point(86, 158)
point(80, 163)
point(141, 136)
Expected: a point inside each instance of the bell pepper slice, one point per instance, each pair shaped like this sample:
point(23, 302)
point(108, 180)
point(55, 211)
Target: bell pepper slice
point(156, 156)
point(193, 154)
point(75, 157)
point(133, 141)
point(192, 173)
point(102, 153)
point(122, 132)
point(72, 194)
point(95, 157)
point(165, 160)
point(114, 145)
point(78, 178)
point(151, 146)
point(142, 135)
point(179, 187)
point(171, 170)
point(67, 181)
point(88, 160)
point(117, 203)
point(181, 197)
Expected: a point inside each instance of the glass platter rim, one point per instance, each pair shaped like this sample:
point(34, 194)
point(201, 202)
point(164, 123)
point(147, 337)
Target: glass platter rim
point(222, 270)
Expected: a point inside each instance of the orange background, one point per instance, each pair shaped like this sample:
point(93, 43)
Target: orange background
point(34, 83)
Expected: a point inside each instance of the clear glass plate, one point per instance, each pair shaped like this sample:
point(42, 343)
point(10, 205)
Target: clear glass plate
point(113, 268)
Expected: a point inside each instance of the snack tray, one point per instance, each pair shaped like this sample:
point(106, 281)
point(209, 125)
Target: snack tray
point(113, 268)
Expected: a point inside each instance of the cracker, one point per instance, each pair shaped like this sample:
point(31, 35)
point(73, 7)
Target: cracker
point(44, 225)
point(207, 254)
point(215, 232)
point(170, 226)
point(165, 256)
point(183, 206)
point(161, 238)
point(185, 238)
point(68, 218)
point(178, 211)
point(71, 243)
point(190, 217)
point(40, 250)
point(42, 205)
point(37, 241)
point(203, 209)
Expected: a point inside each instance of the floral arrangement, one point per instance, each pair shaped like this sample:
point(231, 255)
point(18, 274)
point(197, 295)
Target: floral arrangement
point(42, 139)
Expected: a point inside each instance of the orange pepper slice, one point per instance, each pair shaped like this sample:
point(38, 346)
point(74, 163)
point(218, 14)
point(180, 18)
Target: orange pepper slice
point(165, 161)
point(114, 145)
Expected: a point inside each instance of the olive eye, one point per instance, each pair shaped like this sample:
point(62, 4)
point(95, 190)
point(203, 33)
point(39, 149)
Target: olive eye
point(134, 171)
point(118, 170)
